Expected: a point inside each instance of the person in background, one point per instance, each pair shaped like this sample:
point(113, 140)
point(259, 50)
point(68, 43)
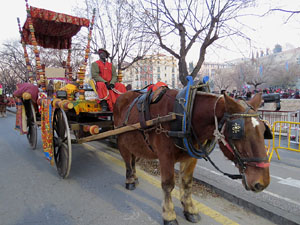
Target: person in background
point(3, 102)
point(248, 95)
point(105, 75)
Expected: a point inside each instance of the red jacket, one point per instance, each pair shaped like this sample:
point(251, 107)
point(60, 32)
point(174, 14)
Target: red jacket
point(105, 70)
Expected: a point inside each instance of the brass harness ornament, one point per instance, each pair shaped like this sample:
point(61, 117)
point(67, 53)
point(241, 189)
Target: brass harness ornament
point(236, 128)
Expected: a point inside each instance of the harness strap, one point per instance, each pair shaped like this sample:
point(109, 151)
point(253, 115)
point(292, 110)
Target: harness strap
point(232, 176)
point(129, 110)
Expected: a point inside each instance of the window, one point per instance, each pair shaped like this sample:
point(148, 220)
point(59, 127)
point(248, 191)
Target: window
point(173, 83)
point(145, 82)
point(173, 69)
point(158, 69)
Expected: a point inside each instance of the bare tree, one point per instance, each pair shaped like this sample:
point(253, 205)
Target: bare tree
point(117, 30)
point(12, 60)
point(178, 25)
point(223, 79)
point(13, 67)
point(256, 71)
point(290, 13)
point(284, 77)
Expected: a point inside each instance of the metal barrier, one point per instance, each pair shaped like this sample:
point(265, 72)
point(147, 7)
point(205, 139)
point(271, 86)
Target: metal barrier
point(272, 116)
point(289, 131)
point(285, 126)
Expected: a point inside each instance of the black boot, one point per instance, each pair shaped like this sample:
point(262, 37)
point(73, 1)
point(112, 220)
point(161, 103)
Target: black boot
point(104, 105)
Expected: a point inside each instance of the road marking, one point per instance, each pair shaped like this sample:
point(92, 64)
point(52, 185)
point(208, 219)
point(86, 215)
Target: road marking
point(282, 198)
point(155, 182)
point(290, 181)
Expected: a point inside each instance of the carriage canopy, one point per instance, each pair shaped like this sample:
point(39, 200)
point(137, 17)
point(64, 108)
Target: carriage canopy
point(52, 29)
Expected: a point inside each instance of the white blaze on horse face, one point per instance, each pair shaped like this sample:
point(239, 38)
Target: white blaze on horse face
point(254, 122)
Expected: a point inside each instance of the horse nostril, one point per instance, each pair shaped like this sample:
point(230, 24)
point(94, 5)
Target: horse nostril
point(258, 187)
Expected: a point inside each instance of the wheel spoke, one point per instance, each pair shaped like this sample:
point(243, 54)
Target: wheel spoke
point(62, 143)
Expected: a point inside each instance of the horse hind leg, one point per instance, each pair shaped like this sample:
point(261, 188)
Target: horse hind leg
point(191, 212)
point(133, 162)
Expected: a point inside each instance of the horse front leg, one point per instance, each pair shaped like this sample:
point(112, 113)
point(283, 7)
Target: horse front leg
point(168, 184)
point(129, 160)
point(131, 178)
point(191, 212)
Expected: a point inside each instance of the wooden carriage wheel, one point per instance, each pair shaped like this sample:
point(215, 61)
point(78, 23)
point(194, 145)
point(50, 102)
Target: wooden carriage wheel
point(62, 143)
point(31, 126)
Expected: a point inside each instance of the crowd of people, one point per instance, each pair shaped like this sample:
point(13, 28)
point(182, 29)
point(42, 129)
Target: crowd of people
point(284, 93)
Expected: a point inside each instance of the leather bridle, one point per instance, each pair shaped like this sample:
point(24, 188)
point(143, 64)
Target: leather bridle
point(219, 134)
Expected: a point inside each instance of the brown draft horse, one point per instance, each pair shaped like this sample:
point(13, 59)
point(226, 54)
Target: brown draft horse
point(249, 152)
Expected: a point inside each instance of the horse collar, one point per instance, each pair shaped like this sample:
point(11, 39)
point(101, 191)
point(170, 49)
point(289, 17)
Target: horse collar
point(181, 128)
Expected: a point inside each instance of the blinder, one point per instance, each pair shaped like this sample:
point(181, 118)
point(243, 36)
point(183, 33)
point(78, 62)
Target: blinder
point(236, 128)
point(268, 133)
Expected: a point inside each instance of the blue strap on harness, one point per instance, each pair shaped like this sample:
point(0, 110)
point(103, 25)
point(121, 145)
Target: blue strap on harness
point(185, 140)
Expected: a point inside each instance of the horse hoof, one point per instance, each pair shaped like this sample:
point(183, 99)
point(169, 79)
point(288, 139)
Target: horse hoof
point(193, 218)
point(130, 186)
point(170, 222)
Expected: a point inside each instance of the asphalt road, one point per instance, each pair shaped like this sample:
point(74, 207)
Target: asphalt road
point(31, 192)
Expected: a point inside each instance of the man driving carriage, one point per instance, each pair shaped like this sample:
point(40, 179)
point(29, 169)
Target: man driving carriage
point(105, 75)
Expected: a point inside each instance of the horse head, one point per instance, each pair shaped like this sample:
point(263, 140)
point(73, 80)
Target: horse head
point(244, 141)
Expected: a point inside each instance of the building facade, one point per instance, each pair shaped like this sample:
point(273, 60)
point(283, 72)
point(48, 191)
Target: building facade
point(152, 69)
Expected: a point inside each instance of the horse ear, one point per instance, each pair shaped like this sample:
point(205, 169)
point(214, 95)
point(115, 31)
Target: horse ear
point(231, 106)
point(256, 101)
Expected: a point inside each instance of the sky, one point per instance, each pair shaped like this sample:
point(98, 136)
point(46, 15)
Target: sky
point(264, 32)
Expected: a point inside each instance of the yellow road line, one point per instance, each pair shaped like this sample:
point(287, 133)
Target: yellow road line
point(203, 208)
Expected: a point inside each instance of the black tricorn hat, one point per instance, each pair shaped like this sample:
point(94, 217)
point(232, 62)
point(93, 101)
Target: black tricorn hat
point(103, 50)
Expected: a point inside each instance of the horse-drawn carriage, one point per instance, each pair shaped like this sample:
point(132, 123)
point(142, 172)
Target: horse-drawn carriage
point(74, 114)
point(201, 120)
